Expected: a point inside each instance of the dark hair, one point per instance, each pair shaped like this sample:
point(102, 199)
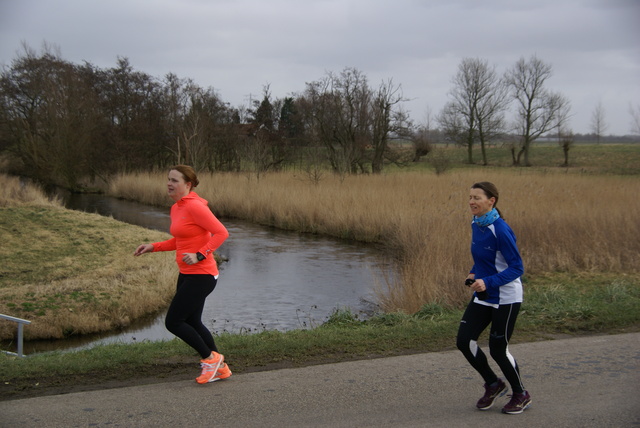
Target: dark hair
point(188, 174)
point(490, 190)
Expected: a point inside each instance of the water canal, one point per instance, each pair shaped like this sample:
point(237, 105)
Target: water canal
point(272, 279)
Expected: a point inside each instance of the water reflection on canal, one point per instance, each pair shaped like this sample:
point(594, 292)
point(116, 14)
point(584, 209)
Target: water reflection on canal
point(273, 279)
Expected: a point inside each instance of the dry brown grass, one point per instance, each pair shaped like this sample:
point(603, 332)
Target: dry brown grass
point(70, 272)
point(15, 192)
point(563, 222)
point(104, 300)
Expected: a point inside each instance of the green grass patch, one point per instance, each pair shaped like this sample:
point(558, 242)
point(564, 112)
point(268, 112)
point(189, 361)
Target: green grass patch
point(567, 303)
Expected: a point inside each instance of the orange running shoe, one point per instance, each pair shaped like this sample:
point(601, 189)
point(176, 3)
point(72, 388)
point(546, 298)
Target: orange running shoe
point(223, 372)
point(210, 367)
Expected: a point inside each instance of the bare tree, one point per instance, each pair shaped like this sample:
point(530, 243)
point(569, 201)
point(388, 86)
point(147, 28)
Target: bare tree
point(133, 105)
point(565, 139)
point(459, 118)
point(440, 161)
point(476, 111)
point(635, 119)
point(49, 118)
point(194, 117)
point(386, 121)
point(490, 111)
point(421, 137)
point(452, 124)
point(598, 122)
point(538, 109)
point(421, 140)
point(192, 140)
point(354, 122)
point(312, 166)
point(338, 108)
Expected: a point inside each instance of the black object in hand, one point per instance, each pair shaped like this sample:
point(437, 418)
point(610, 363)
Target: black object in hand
point(482, 295)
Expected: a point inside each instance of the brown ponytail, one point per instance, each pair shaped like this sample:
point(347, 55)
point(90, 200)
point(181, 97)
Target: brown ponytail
point(188, 174)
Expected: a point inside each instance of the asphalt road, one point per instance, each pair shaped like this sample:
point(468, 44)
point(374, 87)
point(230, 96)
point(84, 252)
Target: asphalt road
point(578, 382)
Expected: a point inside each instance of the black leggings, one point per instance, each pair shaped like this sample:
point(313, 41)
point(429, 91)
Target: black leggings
point(185, 312)
point(475, 320)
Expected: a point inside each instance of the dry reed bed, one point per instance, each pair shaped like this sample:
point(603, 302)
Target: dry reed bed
point(563, 222)
point(15, 192)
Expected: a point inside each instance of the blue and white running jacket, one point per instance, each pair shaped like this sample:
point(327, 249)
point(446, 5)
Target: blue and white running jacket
point(497, 261)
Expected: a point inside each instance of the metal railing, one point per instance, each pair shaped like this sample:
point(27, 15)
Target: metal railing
point(21, 324)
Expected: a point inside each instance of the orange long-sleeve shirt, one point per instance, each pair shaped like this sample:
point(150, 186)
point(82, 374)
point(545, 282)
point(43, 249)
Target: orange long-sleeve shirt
point(195, 230)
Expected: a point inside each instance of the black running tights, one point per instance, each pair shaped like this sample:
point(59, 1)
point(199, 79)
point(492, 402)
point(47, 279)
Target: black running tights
point(184, 317)
point(475, 320)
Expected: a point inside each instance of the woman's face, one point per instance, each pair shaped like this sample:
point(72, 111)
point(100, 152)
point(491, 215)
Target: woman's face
point(479, 203)
point(177, 188)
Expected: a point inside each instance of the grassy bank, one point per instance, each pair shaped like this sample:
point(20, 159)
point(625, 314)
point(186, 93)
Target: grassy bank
point(555, 305)
point(70, 272)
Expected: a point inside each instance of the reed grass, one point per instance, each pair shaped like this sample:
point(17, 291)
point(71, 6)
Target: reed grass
point(564, 222)
point(17, 192)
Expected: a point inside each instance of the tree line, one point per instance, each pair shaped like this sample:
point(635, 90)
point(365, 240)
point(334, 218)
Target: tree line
point(62, 122)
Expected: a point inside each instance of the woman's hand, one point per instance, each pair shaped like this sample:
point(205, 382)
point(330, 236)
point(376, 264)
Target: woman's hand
point(144, 248)
point(190, 258)
point(478, 286)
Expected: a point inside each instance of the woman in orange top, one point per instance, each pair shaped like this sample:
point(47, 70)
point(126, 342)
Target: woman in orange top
point(197, 233)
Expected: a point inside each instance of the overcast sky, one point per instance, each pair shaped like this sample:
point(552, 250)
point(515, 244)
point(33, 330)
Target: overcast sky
point(239, 46)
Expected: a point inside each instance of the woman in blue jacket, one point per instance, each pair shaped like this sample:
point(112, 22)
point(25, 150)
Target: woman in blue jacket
point(495, 280)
